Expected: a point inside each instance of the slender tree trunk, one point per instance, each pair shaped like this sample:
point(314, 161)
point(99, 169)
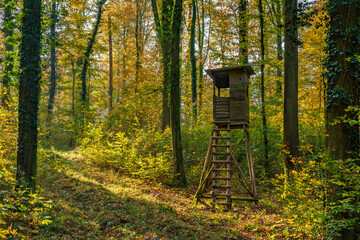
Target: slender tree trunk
point(73, 87)
point(342, 139)
point(8, 34)
point(263, 104)
point(137, 43)
point(201, 31)
point(52, 61)
point(175, 98)
point(193, 61)
point(291, 130)
point(110, 67)
point(29, 89)
point(279, 50)
point(73, 137)
point(84, 94)
point(123, 60)
point(243, 22)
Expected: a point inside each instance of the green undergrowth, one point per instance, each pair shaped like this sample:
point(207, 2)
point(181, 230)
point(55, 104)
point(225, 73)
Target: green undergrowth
point(21, 214)
point(145, 154)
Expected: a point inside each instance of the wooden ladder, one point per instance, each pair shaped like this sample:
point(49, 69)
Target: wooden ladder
point(221, 171)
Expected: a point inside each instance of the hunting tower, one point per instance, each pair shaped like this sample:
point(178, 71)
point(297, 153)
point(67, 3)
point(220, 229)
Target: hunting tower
point(230, 111)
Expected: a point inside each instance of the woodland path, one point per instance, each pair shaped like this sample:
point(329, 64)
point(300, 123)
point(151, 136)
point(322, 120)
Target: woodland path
point(97, 203)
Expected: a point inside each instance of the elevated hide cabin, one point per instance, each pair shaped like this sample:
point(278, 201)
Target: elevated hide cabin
point(231, 111)
point(233, 103)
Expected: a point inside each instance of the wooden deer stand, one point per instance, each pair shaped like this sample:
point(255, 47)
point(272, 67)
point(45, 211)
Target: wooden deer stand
point(230, 112)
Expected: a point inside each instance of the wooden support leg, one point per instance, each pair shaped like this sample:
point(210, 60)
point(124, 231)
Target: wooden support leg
point(250, 161)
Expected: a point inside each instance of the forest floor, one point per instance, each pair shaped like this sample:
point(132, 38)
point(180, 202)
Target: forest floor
point(96, 203)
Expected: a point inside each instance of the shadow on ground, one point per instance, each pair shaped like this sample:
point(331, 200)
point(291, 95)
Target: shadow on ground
point(93, 203)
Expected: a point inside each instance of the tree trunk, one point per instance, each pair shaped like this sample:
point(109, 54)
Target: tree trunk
point(342, 139)
point(193, 62)
point(138, 22)
point(263, 110)
point(291, 130)
point(175, 99)
point(168, 30)
point(279, 50)
point(73, 136)
point(52, 61)
point(165, 117)
point(110, 67)
point(29, 89)
point(243, 22)
point(201, 31)
point(163, 28)
point(123, 61)
point(8, 34)
point(84, 94)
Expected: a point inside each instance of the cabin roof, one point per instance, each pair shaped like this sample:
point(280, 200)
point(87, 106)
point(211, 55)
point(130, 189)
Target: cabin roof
point(221, 75)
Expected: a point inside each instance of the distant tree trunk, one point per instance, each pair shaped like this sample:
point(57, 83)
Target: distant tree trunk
point(52, 61)
point(8, 33)
point(29, 89)
point(263, 110)
point(84, 94)
point(138, 21)
point(163, 28)
point(73, 87)
point(123, 60)
point(175, 99)
point(343, 74)
point(193, 62)
point(291, 130)
point(110, 67)
point(72, 138)
point(243, 22)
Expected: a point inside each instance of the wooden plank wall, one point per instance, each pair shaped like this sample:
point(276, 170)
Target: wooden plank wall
point(221, 109)
point(239, 98)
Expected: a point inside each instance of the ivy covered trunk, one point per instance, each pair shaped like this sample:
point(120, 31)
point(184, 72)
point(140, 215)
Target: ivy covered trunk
point(201, 35)
point(8, 34)
point(342, 139)
point(163, 29)
point(175, 99)
point(168, 26)
point(243, 26)
point(29, 89)
point(291, 129)
point(84, 93)
point(52, 60)
point(193, 62)
point(263, 104)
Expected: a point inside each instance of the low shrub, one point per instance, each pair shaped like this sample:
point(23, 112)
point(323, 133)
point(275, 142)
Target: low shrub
point(145, 154)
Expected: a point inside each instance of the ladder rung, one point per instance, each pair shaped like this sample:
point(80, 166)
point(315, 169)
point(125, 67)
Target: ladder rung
point(220, 161)
point(221, 122)
point(221, 129)
point(221, 137)
point(221, 153)
point(220, 178)
point(220, 145)
point(220, 169)
point(222, 186)
point(221, 195)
